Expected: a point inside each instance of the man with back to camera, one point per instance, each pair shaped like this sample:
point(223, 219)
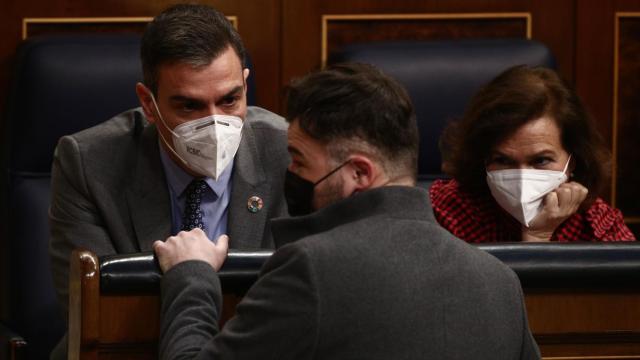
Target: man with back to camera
point(369, 274)
point(193, 156)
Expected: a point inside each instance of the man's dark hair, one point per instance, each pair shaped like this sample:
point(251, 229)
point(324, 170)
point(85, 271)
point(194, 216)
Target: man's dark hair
point(350, 107)
point(517, 96)
point(194, 34)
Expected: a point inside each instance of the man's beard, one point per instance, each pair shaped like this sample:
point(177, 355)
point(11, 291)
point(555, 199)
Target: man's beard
point(330, 193)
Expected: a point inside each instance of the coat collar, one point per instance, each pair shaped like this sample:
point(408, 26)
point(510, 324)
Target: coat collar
point(248, 180)
point(402, 202)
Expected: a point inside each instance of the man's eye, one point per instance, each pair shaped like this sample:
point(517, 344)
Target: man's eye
point(230, 101)
point(189, 107)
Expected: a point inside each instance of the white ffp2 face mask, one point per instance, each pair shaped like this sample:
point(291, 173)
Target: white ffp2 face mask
point(521, 191)
point(207, 145)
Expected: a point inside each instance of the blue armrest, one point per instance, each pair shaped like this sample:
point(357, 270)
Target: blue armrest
point(538, 265)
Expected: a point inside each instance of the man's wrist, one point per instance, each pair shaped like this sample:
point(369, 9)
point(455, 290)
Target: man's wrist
point(187, 267)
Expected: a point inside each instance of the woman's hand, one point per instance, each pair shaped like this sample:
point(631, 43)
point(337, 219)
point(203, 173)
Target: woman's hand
point(558, 206)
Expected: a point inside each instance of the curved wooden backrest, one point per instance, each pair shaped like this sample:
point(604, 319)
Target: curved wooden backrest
point(108, 326)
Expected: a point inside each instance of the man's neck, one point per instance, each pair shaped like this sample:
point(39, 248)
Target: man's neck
point(401, 180)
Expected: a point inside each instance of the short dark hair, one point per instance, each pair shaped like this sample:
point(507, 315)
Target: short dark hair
point(517, 96)
point(345, 105)
point(190, 33)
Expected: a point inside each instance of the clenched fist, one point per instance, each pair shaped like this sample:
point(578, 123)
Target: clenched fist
point(191, 245)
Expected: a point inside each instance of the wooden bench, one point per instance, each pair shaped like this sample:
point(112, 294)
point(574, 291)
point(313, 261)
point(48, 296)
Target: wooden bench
point(583, 300)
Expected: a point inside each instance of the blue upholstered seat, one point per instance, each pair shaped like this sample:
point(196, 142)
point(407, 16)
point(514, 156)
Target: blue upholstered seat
point(442, 76)
point(62, 84)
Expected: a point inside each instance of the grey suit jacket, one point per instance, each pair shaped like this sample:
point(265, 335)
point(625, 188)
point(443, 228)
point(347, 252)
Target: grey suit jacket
point(370, 277)
point(109, 193)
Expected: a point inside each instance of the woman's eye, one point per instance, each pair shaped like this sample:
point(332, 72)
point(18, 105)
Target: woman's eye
point(542, 161)
point(499, 160)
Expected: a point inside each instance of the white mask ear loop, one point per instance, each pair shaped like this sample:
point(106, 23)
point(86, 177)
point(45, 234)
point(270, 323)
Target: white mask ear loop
point(155, 104)
point(566, 166)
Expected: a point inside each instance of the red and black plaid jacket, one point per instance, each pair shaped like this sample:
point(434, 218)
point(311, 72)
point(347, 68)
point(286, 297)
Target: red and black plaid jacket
point(482, 220)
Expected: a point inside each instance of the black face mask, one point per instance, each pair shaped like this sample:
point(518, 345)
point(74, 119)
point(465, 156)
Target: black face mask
point(298, 192)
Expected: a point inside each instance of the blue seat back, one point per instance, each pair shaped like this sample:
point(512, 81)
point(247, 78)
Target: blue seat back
point(442, 76)
point(62, 84)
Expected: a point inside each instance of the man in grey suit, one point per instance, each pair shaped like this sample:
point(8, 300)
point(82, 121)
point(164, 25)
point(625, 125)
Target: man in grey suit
point(194, 154)
point(369, 274)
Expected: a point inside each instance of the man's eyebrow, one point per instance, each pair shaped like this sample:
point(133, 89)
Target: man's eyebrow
point(182, 98)
point(233, 91)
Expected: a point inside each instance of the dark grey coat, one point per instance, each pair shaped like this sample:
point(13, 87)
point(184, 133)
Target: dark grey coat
point(110, 196)
point(370, 277)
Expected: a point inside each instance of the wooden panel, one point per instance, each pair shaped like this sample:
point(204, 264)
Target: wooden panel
point(564, 352)
point(567, 324)
point(600, 43)
point(576, 311)
point(258, 22)
point(626, 121)
point(131, 327)
point(46, 26)
point(551, 23)
point(339, 30)
point(41, 26)
point(594, 59)
point(584, 324)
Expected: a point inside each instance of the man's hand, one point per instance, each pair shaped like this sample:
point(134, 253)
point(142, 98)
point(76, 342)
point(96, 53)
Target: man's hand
point(191, 245)
point(558, 206)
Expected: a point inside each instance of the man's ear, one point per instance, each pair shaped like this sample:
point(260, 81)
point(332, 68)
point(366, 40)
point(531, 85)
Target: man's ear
point(144, 96)
point(363, 173)
point(245, 76)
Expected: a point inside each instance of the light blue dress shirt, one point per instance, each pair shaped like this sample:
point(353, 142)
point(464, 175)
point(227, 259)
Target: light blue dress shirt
point(215, 201)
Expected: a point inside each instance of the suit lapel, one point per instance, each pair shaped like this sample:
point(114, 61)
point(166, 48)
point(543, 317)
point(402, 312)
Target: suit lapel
point(148, 197)
point(244, 227)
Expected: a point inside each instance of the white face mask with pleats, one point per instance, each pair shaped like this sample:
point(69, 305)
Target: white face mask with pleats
point(207, 145)
point(521, 191)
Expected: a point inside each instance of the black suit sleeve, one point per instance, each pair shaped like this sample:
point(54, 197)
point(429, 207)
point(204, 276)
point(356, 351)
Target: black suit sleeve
point(277, 319)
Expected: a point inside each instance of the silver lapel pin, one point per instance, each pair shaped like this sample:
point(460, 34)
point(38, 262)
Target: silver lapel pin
point(254, 204)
